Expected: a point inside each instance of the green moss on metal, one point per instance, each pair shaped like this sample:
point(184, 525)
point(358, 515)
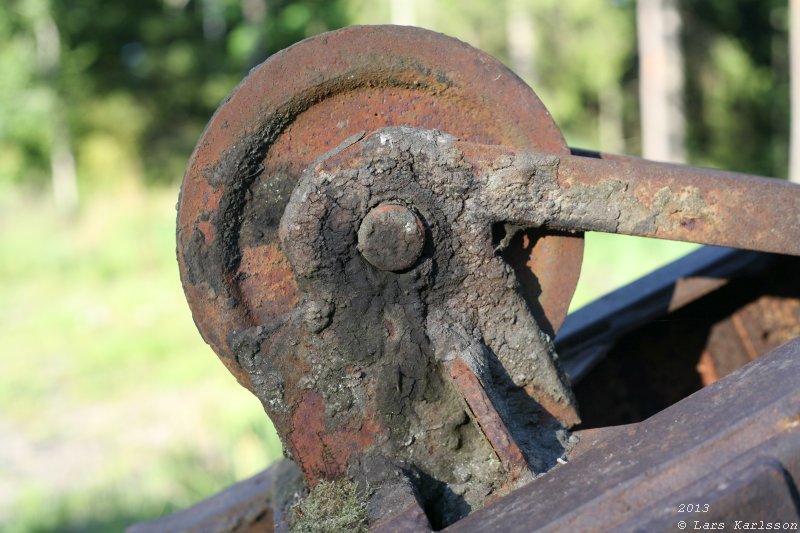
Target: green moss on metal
point(330, 507)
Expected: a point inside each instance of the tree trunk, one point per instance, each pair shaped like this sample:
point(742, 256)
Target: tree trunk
point(213, 20)
point(63, 176)
point(62, 169)
point(794, 73)
point(661, 80)
point(610, 131)
point(521, 40)
point(402, 12)
point(254, 13)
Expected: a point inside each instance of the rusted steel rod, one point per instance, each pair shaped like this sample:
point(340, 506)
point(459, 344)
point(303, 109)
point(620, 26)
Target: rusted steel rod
point(634, 196)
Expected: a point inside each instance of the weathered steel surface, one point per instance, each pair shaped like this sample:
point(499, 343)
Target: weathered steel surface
point(734, 445)
point(355, 371)
point(638, 197)
point(391, 237)
point(748, 276)
point(406, 520)
point(488, 419)
point(768, 321)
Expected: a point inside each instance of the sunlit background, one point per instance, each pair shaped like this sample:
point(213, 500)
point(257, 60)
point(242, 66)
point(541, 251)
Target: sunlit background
point(112, 409)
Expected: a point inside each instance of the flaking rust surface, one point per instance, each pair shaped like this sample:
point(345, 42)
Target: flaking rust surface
point(610, 206)
point(360, 369)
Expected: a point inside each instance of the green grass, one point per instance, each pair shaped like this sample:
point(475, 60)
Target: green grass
point(112, 409)
point(611, 261)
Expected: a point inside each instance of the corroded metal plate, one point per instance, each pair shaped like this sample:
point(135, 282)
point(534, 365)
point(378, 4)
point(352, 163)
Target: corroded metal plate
point(305, 101)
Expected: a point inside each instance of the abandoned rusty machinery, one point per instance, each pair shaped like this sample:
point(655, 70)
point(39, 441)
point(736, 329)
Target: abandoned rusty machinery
point(379, 234)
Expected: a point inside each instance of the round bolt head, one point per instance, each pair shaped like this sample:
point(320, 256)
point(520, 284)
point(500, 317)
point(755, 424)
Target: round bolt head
point(391, 237)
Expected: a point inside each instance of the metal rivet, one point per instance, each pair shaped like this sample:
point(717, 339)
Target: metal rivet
point(391, 237)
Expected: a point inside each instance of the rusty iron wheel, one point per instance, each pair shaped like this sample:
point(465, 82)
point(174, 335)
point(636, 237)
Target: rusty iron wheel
point(303, 102)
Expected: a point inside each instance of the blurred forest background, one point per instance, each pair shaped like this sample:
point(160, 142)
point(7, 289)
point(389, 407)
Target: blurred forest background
point(112, 410)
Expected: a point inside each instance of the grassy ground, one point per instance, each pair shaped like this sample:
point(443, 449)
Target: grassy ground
point(112, 409)
point(611, 261)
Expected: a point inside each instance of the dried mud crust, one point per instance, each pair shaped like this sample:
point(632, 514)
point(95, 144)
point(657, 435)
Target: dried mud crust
point(359, 369)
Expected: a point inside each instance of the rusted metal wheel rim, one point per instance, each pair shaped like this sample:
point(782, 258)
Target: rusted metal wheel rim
point(306, 100)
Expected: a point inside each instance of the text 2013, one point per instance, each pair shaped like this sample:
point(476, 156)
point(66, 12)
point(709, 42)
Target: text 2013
point(693, 508)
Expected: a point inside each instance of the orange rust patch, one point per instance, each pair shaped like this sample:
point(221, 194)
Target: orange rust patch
point(321, 453)
point(563, 412)
point(790, 423)
point(268, 286)
point(707, 369)
point(208, 231)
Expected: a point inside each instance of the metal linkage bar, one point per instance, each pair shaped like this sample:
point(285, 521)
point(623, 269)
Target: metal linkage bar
point(638, 197)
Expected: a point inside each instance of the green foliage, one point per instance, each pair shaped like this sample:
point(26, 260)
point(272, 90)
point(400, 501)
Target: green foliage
point(737, 94)
point(134, 82)
point(331, 507)
point(586, 47)
point(26, 99)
